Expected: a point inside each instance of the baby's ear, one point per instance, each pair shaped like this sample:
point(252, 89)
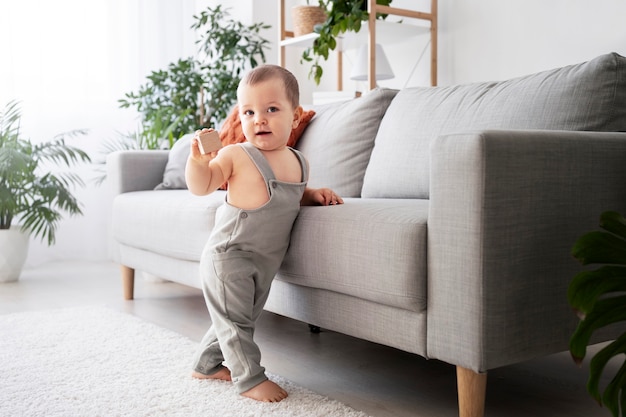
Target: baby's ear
point(297, 114)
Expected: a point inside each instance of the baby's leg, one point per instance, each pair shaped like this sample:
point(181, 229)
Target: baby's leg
point(209, 358)
point(230, 296)
point(266, 391)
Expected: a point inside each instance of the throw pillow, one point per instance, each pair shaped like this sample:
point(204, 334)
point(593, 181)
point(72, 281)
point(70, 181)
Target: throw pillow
point(339, 140)
point(174, 174)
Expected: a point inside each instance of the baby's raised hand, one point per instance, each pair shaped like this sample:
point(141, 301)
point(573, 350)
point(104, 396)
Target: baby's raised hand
point(205, 145)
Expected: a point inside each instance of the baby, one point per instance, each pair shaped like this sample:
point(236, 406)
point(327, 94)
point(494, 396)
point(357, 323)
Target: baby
point(266, 187)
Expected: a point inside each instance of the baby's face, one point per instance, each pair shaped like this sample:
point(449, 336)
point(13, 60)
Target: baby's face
point(267, 116)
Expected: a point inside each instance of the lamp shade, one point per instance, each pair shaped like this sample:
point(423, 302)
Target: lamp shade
point(383, 69)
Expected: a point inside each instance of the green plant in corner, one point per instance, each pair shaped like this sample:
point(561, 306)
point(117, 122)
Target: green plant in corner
point(599, 297)
point(28, 191)
point(342, 16)
point(200, 91)
point(168, 103)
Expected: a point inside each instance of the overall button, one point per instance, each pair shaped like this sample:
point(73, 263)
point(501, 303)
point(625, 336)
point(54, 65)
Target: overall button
point(244, 215)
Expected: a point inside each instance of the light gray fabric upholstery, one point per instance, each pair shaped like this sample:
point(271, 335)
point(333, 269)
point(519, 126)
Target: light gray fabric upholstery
point(588, 96)
point(395, 327)
point(382, 247)
point(505, 210)
point(339, 139)
point(135, 170)
point(174, 223)
point(164, 267)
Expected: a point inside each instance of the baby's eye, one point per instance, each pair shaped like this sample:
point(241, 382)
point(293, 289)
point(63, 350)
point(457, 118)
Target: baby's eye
point(272, 109)
point(248, 113)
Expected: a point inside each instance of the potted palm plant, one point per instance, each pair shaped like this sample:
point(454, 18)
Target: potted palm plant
point(599, 297)
point(29, 193)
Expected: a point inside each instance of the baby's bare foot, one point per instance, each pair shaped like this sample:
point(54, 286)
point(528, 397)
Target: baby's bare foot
point(266, 391)
point(223, 375)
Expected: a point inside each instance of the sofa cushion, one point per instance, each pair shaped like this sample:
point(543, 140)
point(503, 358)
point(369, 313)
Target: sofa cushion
point(174, 174)
point(589, 96)
point(339, 140)
point(374, 249)
point(175, 223)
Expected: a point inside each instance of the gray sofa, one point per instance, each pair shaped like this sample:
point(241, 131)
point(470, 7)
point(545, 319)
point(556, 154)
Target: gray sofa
point(461, 206)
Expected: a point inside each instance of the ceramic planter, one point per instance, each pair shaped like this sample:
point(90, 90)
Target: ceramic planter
point(14, 244)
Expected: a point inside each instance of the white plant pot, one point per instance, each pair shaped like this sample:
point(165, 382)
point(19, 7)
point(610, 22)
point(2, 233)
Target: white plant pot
point(13, 251)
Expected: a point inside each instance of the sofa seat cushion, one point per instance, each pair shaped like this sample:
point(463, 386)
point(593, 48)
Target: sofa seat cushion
point(589, 96)
point(372, 249)
point(174, 223)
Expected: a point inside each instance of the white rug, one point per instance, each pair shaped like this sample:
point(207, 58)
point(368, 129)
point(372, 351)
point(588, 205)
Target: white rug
point(94, 361)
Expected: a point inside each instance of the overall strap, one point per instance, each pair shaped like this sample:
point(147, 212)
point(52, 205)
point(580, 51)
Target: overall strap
point(259, 160)
point(303, 164)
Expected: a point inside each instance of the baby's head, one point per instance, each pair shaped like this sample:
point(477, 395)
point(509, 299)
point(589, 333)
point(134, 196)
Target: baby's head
point(266, 72)
point(268, 99)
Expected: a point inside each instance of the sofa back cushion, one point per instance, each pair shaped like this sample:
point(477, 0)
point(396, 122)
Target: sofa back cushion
point(589, 96)
point(339, 139)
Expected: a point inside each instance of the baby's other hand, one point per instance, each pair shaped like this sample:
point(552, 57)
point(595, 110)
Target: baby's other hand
point(321, 196)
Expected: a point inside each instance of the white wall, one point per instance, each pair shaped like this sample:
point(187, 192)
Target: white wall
point(486, 40)
point(494, 39)
point(69, 61)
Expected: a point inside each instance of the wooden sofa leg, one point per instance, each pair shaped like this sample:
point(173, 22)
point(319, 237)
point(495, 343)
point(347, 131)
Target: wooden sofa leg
point(472, 388)
point(128, 282)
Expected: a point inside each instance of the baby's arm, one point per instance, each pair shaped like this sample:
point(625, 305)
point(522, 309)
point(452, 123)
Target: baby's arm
point(204, 173)
point(320, 196)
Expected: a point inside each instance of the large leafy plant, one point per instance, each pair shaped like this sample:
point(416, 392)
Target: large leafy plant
point(599, 297)
point(28, 191)
point(342, 16)
point(200, 91)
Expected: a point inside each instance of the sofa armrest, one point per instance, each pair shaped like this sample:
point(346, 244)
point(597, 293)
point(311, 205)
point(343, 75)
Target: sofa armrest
point(135, 170)
point(505, 210)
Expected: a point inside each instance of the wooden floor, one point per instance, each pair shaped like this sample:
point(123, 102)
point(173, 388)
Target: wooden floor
point(380, 381)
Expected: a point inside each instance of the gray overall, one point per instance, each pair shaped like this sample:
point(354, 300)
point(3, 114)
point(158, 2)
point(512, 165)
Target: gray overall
point(237, 267)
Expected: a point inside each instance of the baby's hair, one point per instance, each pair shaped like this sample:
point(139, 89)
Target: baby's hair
point(267, 71)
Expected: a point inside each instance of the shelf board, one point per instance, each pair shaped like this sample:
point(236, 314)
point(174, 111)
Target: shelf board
point(386, 33)
point(303, 41)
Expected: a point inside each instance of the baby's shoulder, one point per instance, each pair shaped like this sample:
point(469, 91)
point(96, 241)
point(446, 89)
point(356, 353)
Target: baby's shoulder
point(231, 150)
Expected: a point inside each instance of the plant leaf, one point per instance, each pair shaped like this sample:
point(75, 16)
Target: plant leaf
point(597, 367)
point(605, 312)
point(600, 247)
point(588, 286)
point(614, 223)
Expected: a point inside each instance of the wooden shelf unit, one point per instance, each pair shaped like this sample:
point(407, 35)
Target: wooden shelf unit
point(287, 39)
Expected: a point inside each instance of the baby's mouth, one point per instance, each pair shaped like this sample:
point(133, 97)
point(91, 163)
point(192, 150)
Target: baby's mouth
point(262, 133)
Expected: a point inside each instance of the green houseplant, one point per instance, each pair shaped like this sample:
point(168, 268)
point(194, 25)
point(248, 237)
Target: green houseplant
point(29, 192)
point(342, 16)
point(599, 297)
point(199, 91)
